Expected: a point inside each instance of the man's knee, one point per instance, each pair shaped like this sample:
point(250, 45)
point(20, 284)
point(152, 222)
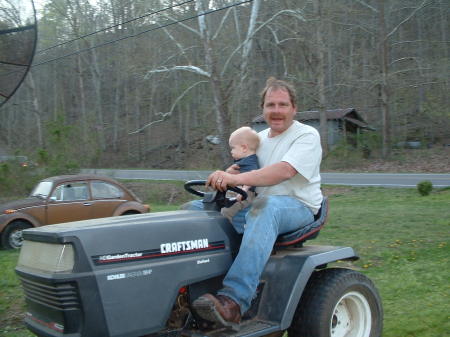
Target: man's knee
point(259, 204)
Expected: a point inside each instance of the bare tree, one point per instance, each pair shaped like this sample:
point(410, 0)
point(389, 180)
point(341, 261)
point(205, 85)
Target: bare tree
point(138, 77)
point(321, 51)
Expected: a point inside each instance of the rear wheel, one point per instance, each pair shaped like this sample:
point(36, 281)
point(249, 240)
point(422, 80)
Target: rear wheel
point(12, 235)
point(130, 212)
point(338, 303)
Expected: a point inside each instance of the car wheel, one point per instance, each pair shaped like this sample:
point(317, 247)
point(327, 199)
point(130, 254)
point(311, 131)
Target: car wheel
point(336, 303)
point(12, 235)
point(130, 212)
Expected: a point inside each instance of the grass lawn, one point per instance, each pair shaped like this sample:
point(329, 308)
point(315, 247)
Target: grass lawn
point(403, 241)
point(401, 237)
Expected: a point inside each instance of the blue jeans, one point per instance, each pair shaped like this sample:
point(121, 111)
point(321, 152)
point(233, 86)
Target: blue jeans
point(261, 223)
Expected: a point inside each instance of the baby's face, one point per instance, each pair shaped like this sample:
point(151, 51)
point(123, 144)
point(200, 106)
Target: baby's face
point(238, 150)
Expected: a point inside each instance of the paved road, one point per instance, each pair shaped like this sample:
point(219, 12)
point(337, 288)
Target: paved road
point(351, 179)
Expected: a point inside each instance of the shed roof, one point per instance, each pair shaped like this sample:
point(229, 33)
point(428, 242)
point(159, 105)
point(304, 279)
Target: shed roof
point(348, 114)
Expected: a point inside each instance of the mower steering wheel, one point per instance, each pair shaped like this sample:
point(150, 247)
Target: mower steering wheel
point(219, 195)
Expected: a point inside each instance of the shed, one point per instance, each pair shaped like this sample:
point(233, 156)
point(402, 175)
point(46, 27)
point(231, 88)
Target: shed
point(341, 123)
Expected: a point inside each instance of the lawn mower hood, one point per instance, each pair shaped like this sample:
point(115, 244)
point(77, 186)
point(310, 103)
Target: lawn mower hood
point(104, 276)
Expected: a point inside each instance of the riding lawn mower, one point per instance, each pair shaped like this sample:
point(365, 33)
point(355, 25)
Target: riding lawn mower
point(138, 275)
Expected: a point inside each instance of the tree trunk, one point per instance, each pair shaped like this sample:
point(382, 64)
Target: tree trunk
point(220, 105)
point(100, 129)
point(36, 109)
point(321, 73)
point(82, 102)
point(246, 50)
point(383, 53)
point(444, 9)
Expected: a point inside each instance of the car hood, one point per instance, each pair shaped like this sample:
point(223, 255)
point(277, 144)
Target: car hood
point(22, 203)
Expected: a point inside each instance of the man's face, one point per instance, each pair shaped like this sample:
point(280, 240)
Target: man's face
point(278, 111)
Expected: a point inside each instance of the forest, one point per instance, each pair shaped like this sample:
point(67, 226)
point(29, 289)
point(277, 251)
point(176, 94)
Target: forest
point(138, 83)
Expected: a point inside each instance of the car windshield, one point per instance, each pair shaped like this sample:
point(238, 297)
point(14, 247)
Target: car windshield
point(42, 189)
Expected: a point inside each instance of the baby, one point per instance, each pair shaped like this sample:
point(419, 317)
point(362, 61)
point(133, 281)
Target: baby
point(243, 144)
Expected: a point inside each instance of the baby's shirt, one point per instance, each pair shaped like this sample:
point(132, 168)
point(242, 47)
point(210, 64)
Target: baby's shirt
point(248, 163)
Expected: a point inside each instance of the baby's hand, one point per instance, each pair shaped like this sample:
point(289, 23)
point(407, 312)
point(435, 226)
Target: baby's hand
point(244, 188)
point(233, 169)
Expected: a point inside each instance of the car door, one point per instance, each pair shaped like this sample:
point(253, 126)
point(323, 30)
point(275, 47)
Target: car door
point(106, 197)
point(69, 201)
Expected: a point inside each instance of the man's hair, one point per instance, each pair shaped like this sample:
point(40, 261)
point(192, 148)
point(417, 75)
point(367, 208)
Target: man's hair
point(247, 135)
point(273, 84)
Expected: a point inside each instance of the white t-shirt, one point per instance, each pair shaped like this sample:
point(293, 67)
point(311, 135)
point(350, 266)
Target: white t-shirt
point(299, 146)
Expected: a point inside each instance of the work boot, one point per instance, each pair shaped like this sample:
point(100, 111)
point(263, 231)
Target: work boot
point(219, 309)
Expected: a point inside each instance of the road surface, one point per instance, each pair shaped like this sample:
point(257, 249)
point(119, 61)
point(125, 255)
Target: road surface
point(349, 179)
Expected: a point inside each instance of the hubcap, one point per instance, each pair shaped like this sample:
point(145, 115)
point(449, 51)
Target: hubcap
point(16, 239)
point(351, 316)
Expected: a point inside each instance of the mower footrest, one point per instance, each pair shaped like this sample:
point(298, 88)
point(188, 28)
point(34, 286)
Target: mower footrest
point(246, 328)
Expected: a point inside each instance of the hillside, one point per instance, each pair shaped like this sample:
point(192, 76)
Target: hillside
point(433, 160)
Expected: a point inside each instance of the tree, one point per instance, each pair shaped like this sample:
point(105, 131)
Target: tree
point(220, 84)
point(143, 82)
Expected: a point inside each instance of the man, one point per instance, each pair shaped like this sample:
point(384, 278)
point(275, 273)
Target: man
point(288, 187)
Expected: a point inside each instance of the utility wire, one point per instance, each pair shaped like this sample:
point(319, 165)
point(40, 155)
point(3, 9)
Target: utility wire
point(143, 32)
point(116, 25)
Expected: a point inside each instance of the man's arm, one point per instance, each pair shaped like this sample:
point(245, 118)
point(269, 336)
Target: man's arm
point(267, 176)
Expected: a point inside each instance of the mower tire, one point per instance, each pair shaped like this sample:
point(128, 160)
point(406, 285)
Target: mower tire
point(338, 302)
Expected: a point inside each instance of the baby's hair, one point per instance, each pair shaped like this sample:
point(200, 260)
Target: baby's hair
point(246, 135)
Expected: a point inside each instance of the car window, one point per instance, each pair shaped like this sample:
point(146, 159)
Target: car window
point(42, 189)
point(103, 190)
point(70, 192)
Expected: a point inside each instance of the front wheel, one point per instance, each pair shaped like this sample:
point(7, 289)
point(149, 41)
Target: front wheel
point(338, 303)
point(12, 235)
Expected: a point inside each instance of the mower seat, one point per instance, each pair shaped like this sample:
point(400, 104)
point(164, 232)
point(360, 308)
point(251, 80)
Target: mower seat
point(311, 231)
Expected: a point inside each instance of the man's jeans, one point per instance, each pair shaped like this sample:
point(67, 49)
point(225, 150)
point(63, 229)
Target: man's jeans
point(261, 223)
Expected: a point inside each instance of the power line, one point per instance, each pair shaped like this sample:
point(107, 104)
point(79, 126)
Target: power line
point(140, 33)
point(116, 25)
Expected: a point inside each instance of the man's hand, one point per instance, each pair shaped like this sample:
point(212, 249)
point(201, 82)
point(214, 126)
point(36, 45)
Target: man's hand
point(266, 176)
point(219, 180)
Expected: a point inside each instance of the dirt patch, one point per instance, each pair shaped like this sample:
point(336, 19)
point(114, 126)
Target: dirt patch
point(14, 315)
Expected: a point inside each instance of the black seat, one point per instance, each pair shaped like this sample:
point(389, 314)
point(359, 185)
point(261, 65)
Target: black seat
point(311, 231)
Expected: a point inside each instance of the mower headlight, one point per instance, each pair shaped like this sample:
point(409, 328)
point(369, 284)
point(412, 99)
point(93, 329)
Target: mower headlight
point(47, 257)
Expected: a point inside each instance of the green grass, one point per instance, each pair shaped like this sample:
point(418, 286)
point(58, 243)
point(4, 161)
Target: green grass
point(12, 307)
point(402, 239)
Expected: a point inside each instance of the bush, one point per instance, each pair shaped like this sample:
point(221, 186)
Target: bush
point(424, 187)
point(17, 180)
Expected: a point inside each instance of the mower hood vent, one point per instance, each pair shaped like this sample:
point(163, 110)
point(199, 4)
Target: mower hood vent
point(62, 296)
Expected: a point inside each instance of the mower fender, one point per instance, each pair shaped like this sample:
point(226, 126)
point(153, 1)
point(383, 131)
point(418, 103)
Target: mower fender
point(286, 275)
